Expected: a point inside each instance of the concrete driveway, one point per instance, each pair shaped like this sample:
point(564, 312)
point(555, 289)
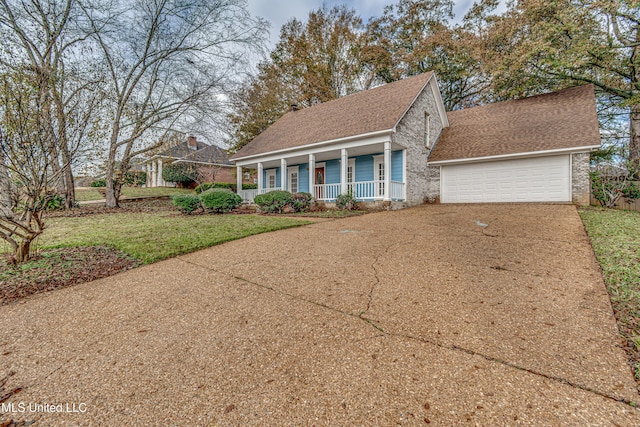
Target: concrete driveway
point(450, 314)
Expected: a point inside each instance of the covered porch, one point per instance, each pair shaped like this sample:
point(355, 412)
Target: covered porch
point(371, 170)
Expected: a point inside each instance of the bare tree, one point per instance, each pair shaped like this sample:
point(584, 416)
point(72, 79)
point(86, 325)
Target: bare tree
point(167, 62)
point(41, 36)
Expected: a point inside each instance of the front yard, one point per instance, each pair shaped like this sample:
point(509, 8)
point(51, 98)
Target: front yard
point(86, 194)
point(91, 244)
point(615, 237)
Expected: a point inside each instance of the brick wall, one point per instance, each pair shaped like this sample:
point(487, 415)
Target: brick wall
point(410, 133)
point(580, 182)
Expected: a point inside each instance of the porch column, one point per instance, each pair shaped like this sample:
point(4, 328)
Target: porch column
point(154, 173)
point(312, 173)
point(387, 171)
point(283, 174)
point(160, 180)
point(260, 183)
point(344, 163)
point(238, 179)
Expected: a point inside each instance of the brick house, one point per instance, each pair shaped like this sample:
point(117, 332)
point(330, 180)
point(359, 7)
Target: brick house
point(396, 143)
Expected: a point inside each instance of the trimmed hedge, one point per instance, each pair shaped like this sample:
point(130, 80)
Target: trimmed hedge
point(220, 200)
point(187, 203)
point(230, 185)
point(274, 201)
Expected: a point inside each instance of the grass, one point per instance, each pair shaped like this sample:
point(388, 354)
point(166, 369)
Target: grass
point(153, 236)
point(615, 237)
point(89, 193)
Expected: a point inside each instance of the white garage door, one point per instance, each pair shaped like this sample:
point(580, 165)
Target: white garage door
point(541, 179)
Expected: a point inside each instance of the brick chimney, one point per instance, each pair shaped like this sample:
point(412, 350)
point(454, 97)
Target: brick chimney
point(192, 142)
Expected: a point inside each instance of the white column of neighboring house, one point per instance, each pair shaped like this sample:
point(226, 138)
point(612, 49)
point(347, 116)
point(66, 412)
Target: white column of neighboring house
point(154, 174)
point(160, 180)
point(312, 173)
point(283, 174)
point(344, 163)
point(260, 183)
point(387, 171)
point(238, 179)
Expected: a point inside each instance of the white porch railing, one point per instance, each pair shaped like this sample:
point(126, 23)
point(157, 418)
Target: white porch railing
point(364, 190)
point(249, 195)
point(326, 191)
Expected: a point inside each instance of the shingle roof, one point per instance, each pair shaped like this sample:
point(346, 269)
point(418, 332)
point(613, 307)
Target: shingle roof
point(209, 154)
point(182, 149)
point(363, 112)
point(563, 119)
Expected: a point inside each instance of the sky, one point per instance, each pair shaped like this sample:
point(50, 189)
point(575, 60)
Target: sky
point(278, 12)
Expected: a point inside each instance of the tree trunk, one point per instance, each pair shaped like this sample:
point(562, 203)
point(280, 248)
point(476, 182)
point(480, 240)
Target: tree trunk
point(634, 141)
point(69, 184)
point(112, 198)
point(23, 252)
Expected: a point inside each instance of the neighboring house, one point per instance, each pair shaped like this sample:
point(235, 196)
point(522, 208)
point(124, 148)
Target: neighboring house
point(213, 162)
point(397, 143)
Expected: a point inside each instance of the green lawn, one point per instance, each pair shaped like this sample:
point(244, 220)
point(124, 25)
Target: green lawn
point(615, 237)
point(151, 237)
point(87, 194)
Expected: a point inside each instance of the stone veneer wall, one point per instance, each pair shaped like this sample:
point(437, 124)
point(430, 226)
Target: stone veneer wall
point(410, 134)
point(580, 181)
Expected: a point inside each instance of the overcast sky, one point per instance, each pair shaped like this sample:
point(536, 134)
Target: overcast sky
point(279, 12)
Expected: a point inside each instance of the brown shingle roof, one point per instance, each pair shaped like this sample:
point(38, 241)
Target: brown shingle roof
point(182, 149)
point(563, 119)
point(363, 112)
point(209, 154)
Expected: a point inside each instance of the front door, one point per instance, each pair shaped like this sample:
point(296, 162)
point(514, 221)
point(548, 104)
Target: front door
point(319, 193)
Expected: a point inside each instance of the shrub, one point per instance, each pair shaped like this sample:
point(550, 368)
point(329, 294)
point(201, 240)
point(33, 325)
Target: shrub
point(135, 178)
point(53, 203)
point(274, 201)
point(187, 203)
point(203, 187)
point(220, 200)
point(301, 202)
point(99, 183)
point(181, 173)
point(346, 201)
point(228, 185)
point(249, 186)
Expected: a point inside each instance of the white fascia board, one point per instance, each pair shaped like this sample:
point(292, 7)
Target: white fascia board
point(337, 144)
point(542, 153)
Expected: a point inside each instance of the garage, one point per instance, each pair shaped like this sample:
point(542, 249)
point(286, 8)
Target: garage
point(537, 179)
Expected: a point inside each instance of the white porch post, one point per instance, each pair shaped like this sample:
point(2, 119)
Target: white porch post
point(387, 171)
point(312, 173)
point(260, 183)
point(160, 180)
point(238, 179)
point(283, 174)
point(344, 163)
point(154, 173)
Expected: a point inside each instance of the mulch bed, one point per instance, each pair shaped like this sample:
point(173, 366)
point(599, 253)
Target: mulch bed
point(59, 268)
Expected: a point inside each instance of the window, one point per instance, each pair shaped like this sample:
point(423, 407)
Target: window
point(271, 178)
point(427, 119)
point(293, 179)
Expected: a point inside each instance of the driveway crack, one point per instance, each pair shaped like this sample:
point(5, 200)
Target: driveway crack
point(452, 347)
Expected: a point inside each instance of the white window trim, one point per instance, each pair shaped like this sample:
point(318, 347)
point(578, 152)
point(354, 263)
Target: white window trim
point(271, 172)
point(427, 130)
point(378, 160)
point(290, 170)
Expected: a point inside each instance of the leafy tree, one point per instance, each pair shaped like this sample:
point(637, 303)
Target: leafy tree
point(417, 37)
point(182, 173)
point(543, 45)
point(315, 62)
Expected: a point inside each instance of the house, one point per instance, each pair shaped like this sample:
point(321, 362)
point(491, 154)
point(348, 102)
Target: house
point(213, 162)
point(396, 143)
